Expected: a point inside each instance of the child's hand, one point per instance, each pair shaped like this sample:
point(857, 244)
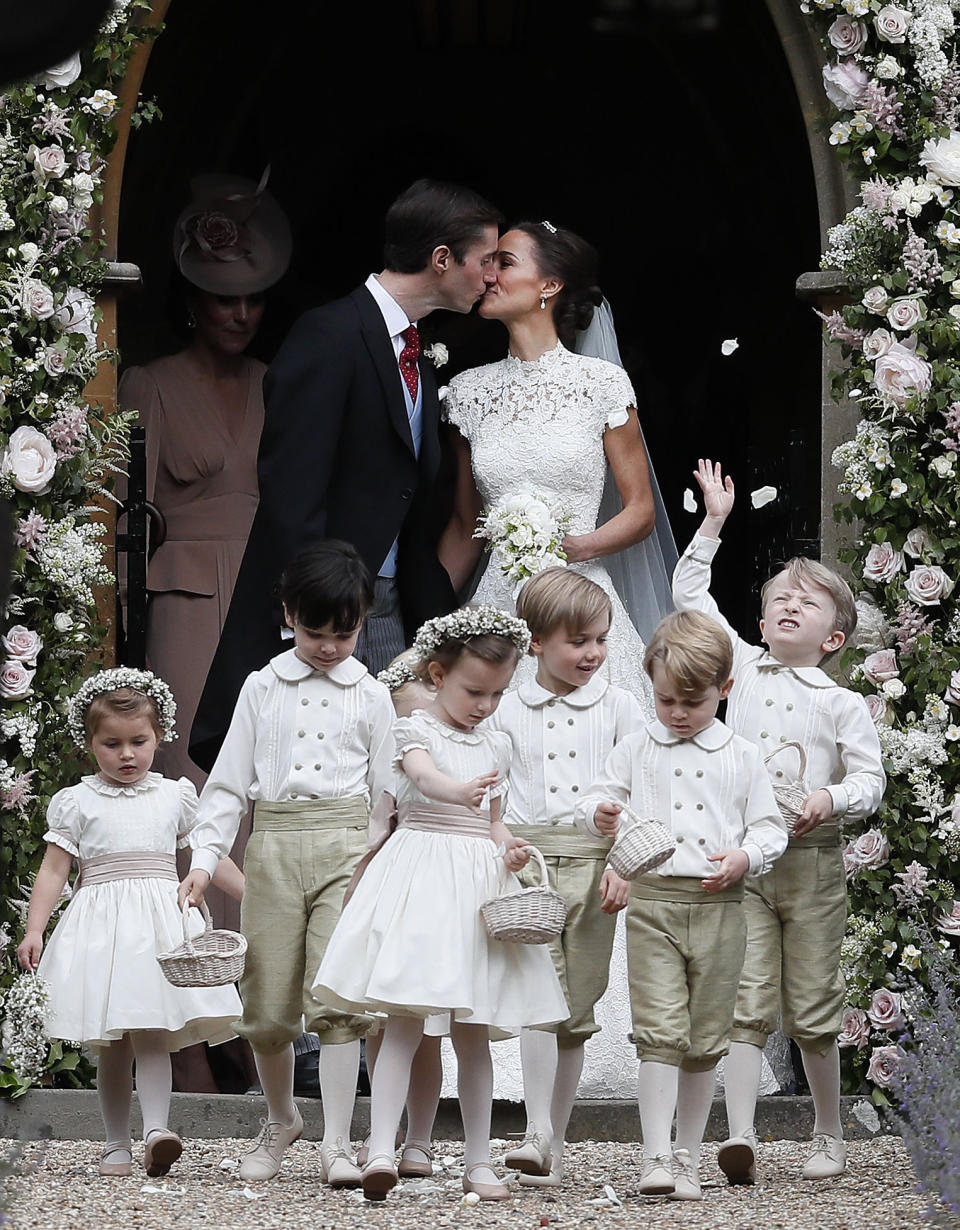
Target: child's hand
point(471, 794)
point(732, 866)
point(606, 818)
point(717, 493)
point(614, 892)
point(517, 854)
point(817, 807)
point(194, 885)
point(29, 950)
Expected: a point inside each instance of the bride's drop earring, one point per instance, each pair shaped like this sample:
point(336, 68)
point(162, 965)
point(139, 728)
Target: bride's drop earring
point(543, 301)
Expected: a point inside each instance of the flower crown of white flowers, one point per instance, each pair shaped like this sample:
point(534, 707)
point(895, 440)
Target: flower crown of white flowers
point(111, 681)
point(468, 622)
point(394, 677)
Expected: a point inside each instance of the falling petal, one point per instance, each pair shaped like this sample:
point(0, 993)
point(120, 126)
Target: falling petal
point(689, 503)
point(729, 346)
point(252, 1195)
point(763, 495)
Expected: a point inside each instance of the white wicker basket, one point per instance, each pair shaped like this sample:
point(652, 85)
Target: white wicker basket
point(532, 916)
point(791, 795)
point(209, 960)
point(641, 845)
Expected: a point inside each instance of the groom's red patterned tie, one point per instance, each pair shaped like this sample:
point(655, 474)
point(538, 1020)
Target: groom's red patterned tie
point(408, 359)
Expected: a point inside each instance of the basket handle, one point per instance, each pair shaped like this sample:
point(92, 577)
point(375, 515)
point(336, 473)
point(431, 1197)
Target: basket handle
point(802, 754)
point(185, 919)
point(535, 851)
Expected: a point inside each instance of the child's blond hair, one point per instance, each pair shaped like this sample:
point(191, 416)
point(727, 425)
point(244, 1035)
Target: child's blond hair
point(122, 702)
point(560, 598)
point(694, 651)
point(810, 572)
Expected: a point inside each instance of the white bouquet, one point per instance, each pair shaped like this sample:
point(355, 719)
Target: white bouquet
point(525, 534)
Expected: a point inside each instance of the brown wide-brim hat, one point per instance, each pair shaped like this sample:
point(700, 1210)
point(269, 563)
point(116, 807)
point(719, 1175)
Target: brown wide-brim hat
point(233, 238)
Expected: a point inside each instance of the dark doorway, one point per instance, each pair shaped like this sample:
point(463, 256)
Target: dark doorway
point(666, 131)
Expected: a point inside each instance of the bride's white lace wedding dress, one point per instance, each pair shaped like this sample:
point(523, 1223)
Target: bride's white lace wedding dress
point(539, 425)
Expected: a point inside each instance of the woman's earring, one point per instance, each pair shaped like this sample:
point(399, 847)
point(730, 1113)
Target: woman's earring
point(191, 320)
point(543, 302)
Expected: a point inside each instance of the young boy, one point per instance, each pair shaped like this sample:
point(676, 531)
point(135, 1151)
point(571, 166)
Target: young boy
point(797, 914)
point(562, 725)
point(311, 743)
point(686, 933)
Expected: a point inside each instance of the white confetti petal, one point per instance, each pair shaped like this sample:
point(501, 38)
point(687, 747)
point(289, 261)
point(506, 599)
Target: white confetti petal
point(252, 1195)
point(729, 346)
point(447, 1160)
point(470, 1198)
point(866, 1112)
point(152, 1190)
point(611, 1195)
point(689, 502)
point(763, 495)
point(229, 1163)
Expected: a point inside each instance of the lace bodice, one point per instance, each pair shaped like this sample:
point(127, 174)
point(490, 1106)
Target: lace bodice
point(505, 410)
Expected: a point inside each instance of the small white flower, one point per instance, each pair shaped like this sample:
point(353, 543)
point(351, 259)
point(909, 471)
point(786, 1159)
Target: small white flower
point(864, 491)
point(952, 733)
point(729, 346)
point(839, 133)
point(898, 487)
point(856, 8)
point(889, 948)
point(868, 155)
point(911, 956)
point(943, 196)
point(948, 234)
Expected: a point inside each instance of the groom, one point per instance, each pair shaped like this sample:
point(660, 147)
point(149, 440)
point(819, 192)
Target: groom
point(350, 446)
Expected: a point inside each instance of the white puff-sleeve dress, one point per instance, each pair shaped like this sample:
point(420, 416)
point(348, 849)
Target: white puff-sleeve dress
point(100, 963)
point(411, 941)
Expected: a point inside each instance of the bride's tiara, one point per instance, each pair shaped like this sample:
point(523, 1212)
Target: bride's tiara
point(549, 226)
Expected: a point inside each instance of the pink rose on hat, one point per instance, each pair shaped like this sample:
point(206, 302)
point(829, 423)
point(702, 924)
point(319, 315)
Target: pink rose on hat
point(854, 1028)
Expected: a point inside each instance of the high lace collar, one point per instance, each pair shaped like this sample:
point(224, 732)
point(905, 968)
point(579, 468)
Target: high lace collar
point(450, 732)
point(545, 363)
point(113, 789)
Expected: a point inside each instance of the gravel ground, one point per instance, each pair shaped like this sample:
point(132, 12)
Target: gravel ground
point(59, 1190)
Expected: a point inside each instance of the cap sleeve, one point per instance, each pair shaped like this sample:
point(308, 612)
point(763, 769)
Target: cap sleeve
point(503, 750)
point(63, 822)
point(188, 811)
point(409, 733)
point(618, 396)
point(457, 408)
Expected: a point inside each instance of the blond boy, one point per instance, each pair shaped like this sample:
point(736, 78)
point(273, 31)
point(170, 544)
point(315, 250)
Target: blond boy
point(796, 915)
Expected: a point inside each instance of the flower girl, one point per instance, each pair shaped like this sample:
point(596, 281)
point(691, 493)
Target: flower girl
point(411, 942)
point(123, 825)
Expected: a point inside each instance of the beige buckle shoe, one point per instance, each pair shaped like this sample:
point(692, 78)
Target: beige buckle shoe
point(336, 1166)
point(828, 1158)
point(160, 1151)
point(531, 1157)
point(411, 1167)
point(656, 1176)
point(262, 1162)
point(737, 1158)
point(117, 1169)
point(379, 1176)
point(486, 1191)
point(685, 1176)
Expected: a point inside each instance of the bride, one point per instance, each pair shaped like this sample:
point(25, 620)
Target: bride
point(555, 422)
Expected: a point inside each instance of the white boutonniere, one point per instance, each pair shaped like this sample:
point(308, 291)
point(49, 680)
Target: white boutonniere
point(437, 354)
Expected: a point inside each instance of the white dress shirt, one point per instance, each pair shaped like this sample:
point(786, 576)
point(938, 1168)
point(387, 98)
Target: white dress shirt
point(296, 734)
point(559, 744)
point(710, 790)
point(772, 704)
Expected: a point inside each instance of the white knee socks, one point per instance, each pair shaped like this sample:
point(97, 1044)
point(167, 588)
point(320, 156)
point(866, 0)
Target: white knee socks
point(153, 1079)
point(694, 1099)
point(339, 1066)
point(741, 1081)
point(423, 1096)
point(657, 1096)
point(823, 1077)
point(115, 1091)
point(391, 1080)
point(475, 1091)
point(275, 1069)
point(569, 1067)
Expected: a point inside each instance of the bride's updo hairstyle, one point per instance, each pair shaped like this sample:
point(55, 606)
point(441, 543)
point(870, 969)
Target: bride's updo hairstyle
point(563, 255)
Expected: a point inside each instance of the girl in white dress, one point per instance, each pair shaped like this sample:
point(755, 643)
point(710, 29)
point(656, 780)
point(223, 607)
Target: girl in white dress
point(123, 825)
point(411, 941)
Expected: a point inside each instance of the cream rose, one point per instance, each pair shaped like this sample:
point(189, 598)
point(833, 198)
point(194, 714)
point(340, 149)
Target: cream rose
point(62, 621)
point(944, 466)
point(36, 299)
point(877, 343)
point(870, 849)
point(928, 584)
point(847, 36)
point(882, 563)
point(844, 83)
point(941, 157)
point(894, 688)
point(891, 24)
point(881, 666)
point(880, 709)
point(884, 1065)
point(60, 75)
point(904, 314)
point(875, 300)
point(23, 644)
point(30, 460)
point(75, 315)
point(16, 679)
point(885, 1011)
point(901, 374)
point(48, 163)
point(854, 1028)
point(917, 542)
point(952, 694)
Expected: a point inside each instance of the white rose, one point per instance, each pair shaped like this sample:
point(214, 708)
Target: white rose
point(882, 563)
point(901, 374)
point(48, 163)
point(29, 252)
point(887, 68)
point(62, 622)
point(30, 460)
point(894, 688)
point(954, 311)
point(904, 314)
point(941, 157)
point(926, 585)
point(60, 75)
point(75, 315)
point(891, 24)
point(875, 300)
point(877, 343)
point(917, 542)
point(58, 204)
point(844, 83)
point(944, 466)
point(847, 36)
point(36, 299)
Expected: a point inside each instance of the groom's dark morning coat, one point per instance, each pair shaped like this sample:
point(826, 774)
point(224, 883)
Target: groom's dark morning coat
point(336, 461)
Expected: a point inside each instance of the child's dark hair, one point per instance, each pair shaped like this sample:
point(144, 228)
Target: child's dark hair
point(489, 646)
point(327, 584)
point(124, 702)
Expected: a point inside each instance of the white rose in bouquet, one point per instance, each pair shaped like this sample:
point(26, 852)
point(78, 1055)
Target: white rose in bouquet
point(894, 688)
point(941, 157)
point(928, 584)
point(30, 460)
point(877, 343)
point(875, 300)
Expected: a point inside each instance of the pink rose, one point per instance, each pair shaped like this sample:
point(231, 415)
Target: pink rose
point(900, 374)
point(23, 644)
point(30, 460)
point(917, 542)
point(15, 679)
point(48, 163)
point(36, 299)
point(870, 849)
point(880, 709)
point(885, 1063)
point(884, 1011)
point(854, 1028)
point(952, 694)
point(844, 83)
point(213, 230)
point(881, 666)
point(904, 314)
point(882, 563)
point(877, 343)
point(847, 36)
point(949, 924)
point(891, 24)
point(928, 584)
